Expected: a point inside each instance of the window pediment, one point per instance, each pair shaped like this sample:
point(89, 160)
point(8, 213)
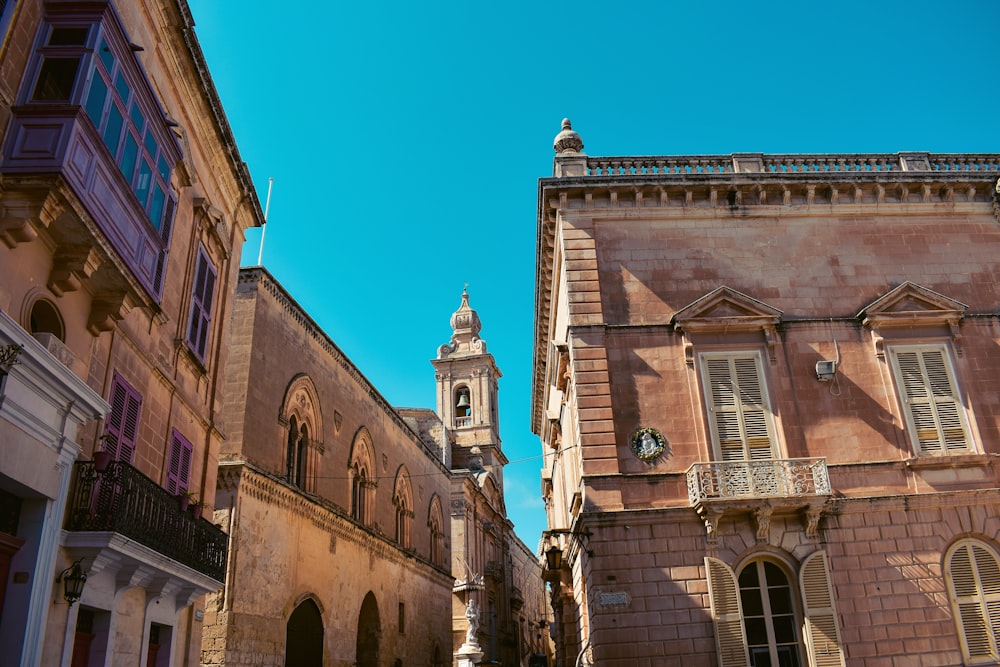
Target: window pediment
point(911, 305)
point(725, 310)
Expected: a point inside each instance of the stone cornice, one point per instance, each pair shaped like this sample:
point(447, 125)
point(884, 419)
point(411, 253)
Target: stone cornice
point(245, 478)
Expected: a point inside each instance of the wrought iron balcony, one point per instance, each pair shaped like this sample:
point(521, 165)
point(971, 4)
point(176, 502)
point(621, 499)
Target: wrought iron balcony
point(121, 499)
point(768, 478)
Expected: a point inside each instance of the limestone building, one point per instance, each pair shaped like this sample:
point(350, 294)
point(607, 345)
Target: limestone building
point(337, 511)
point(766, 390)
point(493, 569)
point(124, 205)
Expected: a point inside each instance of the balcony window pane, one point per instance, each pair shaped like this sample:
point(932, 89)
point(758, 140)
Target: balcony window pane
point(107, 58)
point(142, 183)
point(68, 37)
point(113, 130)
point(121, 85)
point(135, 113)
point(95, 99)
point(56, 79)
point(156, 206)
point(130, 154)
point(163, 168)
point(150, 143)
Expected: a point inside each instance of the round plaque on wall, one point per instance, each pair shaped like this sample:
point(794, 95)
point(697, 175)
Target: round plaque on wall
point(647, 443)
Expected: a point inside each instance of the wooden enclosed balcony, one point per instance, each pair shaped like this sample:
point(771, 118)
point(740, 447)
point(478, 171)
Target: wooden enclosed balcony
point(121, 500)
point(761, 486)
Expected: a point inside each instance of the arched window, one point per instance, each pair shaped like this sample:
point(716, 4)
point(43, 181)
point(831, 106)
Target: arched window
point(769, 615)
point(435, 524)
point(301, 449)
point(45, 318)
point(973, 574)
point(402, 500)
point(764, 616)
point(463, 407)
point(291, 449)
point(362, 472)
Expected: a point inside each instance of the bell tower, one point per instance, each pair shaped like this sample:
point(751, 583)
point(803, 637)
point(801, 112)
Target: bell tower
point(467, 387)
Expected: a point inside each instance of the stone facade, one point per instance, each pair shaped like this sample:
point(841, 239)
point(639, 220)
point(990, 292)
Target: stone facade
point(494, 571)
point(765, 391)
point(336, 509)
point(124, 206)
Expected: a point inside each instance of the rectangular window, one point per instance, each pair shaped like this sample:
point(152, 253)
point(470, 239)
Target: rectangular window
point(935, 414)
point(739, 413)
point(178, 464)
point(402, 618)
point(201, 304)
point(122, 423)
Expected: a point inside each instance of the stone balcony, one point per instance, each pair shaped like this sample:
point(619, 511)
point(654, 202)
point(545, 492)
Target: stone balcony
point(761, 487)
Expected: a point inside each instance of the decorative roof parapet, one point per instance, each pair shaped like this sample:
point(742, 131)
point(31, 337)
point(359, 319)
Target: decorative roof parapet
point(759, 163)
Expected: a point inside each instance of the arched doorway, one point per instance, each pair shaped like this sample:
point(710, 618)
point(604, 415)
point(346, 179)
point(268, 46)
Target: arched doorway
point(304, 637)
point(369, 629)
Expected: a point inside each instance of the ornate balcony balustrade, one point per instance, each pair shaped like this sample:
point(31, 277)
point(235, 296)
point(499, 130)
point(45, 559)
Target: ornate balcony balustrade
point(790, 164)
point(770, 478)
point(121, 499)
point(762, 487)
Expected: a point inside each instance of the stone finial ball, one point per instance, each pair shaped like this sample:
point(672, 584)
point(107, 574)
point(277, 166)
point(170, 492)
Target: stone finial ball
point(567, 141)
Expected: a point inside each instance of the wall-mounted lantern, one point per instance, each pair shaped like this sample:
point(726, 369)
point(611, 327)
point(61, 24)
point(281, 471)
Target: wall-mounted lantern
point(73, 578)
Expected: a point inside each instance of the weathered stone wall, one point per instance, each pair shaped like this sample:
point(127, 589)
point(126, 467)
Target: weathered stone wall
point(289, 545)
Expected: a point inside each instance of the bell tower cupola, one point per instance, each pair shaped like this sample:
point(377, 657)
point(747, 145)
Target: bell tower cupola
point(467, 387)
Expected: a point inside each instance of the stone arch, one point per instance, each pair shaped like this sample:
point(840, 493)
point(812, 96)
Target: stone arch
point(369, 633)
point(42, 316)
point(303, 420)
point(363, 477)
point(402, 501)
point(304, 635)
point(435, 525)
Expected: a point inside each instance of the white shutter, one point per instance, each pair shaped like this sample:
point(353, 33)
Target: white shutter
point(727, 612)
point(933, 407)
point(739, 413)
point(822, 631)
point(974, 582)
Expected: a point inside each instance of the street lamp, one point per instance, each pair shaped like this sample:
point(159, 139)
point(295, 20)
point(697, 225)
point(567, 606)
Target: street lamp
point(73, 578)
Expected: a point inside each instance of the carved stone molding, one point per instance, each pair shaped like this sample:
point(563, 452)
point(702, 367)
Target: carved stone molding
point(727, 310)
point(910, 305)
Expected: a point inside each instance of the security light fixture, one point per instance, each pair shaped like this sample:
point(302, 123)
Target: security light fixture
point(825, 370)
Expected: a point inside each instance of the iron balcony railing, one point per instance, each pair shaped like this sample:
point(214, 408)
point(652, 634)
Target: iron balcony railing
point(121, 499)
point(767, 478)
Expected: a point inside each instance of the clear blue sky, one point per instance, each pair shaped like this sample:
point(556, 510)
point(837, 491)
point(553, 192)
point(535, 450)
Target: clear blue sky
point(406, 141)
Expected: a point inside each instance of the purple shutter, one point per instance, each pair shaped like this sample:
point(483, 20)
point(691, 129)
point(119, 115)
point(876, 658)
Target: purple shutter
point(179, 464)
point(123, 420)
point(201, 304)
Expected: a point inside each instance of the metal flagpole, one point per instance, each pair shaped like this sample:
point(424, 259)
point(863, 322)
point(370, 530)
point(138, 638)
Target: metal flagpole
point(263, 229)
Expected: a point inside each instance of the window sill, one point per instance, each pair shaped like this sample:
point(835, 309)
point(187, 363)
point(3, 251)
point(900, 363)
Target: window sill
point(970, 460)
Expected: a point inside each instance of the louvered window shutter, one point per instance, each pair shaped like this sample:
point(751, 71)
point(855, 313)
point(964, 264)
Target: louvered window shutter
point(201, 304)
point(727, 612)
point(930, 397)
point(123, 420)
point(178, 464)
point(738, 409)
point(822, 630)
point(974, 580)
